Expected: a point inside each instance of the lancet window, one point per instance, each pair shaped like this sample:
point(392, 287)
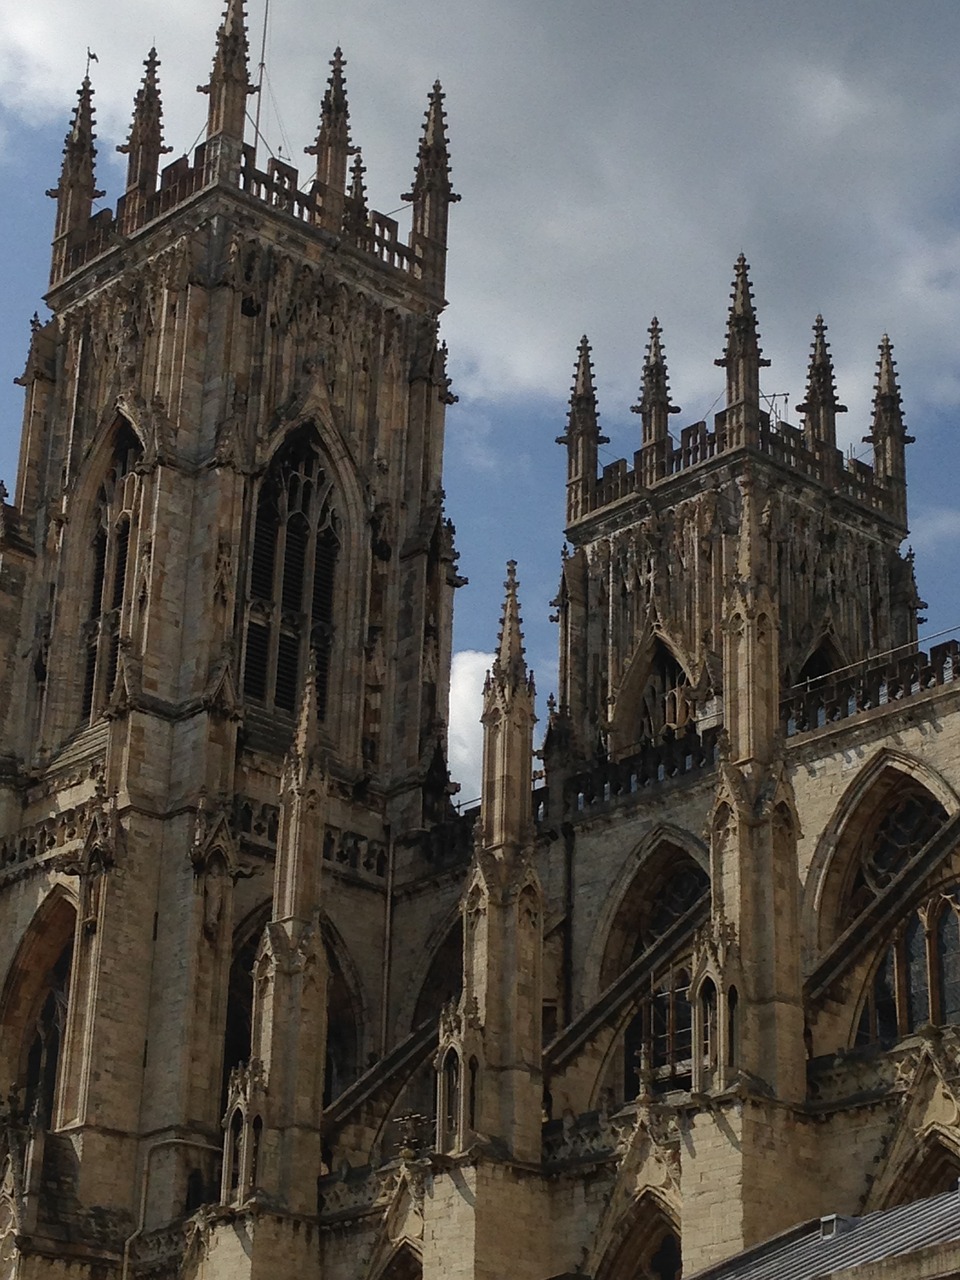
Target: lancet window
point(917, 979)
point(110, 590)
point(293, 562)
point(665, 706)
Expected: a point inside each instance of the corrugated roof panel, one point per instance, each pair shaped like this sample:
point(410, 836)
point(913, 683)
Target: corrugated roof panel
point(807, 1252)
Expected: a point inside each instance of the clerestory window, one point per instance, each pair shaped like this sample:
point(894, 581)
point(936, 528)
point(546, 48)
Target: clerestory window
point(293, 561)
point(917, 980)
point(116, 517)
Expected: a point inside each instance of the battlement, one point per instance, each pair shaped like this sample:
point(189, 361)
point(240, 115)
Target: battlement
point(809, 451)
point(698, 444)
point(332, 201)
point(278, 188)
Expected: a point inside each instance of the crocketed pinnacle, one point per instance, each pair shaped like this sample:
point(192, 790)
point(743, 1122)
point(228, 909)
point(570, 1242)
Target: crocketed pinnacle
point(79, 151)
point(433, 157)
point(742, 357)
point(887, 402)
point(356, 215)
point(230, 79)
point(654, 406)
point(821, 406)
point(144, 144)
point(332, 146)
point(509, 671)
point(584, 414)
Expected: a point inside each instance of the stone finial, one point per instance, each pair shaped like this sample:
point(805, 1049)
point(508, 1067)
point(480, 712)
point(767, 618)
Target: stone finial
point(654, 405)
point(229, 84)
point(820, 408)
point(144, 144)
point(742, 356)
point(332, 146)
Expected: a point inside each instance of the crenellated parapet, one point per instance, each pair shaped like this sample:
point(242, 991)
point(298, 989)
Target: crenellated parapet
point(743, 426)
point(331, 204)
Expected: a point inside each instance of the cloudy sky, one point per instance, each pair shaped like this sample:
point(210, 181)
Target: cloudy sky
point(613, 161)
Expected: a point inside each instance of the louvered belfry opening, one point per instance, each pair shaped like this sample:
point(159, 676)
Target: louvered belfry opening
point(292, 572)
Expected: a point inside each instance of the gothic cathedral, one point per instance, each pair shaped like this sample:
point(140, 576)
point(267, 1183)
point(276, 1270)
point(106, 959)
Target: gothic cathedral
point(270, 1006)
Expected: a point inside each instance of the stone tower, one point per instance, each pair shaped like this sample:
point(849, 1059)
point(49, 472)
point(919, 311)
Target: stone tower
point(226, 603)
point(269, 1006)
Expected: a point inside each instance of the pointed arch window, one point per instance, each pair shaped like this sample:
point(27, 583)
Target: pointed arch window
point(917, 978)
point(296, 543)
point(107, 620)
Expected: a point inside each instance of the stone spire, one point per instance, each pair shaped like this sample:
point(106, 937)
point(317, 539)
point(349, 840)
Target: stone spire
point(332, 147)
point(432, 192)
point(888, 432)
point(77, 188)
point(228, 91)
point(654, 405)
point(582, 437)
point(742, 357)
point(144, 145)
point(508, 719)
point(820, 408)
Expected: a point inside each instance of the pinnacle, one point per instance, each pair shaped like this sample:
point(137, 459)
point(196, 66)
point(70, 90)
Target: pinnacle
point(229, 80)
point(306, 736)
point(886, 370)
point(79, 151)
point(358, 190)
point(583, 378)
point(743, 337)
point(510, 663)
point(433, 157)
point(146, 127)
point(333, 133)
point(821, 386)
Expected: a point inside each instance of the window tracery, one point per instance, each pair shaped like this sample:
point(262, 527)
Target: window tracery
point(115, 523)
point(893, 840)
point(917, 979)
point(293, 560)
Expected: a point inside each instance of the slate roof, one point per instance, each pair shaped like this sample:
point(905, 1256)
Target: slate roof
point(825, 1245)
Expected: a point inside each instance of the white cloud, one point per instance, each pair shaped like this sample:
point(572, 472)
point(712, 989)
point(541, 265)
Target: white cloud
point(466, 733)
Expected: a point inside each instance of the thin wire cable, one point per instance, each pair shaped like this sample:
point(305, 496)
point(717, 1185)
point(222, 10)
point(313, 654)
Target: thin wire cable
point(262, 67)
point(875, 657)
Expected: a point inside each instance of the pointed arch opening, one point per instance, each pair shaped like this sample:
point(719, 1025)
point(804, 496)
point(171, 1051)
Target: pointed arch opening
point(646, 1245)
point(666, 890)
point(292, 576)
point(110, 592)
point(444, 980)
point(887, 817)
point(404, 1264)
point(343, 1025)
point(35, 1003)
point(655, 700)
point(824, 659)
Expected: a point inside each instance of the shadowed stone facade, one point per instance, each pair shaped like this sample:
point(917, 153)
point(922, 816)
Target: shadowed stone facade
point(270, 1005)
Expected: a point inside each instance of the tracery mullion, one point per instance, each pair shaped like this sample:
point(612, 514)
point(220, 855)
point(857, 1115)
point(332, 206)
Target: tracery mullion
point(308, 621)
point(276, 601)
